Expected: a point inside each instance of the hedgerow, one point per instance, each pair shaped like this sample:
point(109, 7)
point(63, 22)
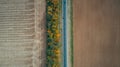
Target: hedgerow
point(53, 33)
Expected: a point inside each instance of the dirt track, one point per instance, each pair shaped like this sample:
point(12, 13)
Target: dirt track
point(96, 33)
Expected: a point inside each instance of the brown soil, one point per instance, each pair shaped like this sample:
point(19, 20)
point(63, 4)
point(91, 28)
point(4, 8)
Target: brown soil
point(96, 33)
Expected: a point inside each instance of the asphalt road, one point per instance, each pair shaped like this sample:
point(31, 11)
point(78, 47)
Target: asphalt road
point(96, 33)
